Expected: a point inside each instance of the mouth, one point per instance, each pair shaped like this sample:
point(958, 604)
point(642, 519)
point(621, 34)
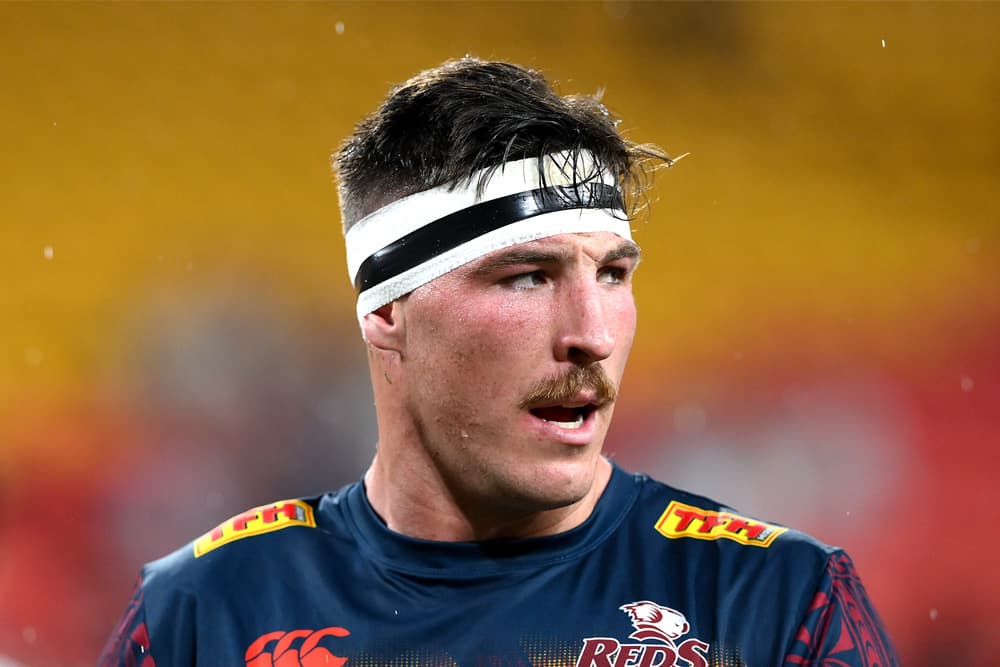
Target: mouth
point(571, 416)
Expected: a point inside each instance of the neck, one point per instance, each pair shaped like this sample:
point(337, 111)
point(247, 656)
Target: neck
point(416, 501)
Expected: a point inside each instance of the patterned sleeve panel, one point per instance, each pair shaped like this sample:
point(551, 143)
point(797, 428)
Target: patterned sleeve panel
point(128, 645)
point(841, 628)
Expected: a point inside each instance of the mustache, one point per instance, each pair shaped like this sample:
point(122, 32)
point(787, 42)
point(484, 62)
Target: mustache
point(564, 388)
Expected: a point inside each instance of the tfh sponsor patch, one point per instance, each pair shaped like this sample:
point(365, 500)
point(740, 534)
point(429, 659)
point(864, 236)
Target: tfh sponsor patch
point(680, 520)
point(259, 520)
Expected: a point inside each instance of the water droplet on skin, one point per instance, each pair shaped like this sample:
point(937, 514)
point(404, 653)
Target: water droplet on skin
point(339, 27)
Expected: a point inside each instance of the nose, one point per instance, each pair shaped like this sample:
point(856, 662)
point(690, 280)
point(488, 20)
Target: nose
point(584, 335)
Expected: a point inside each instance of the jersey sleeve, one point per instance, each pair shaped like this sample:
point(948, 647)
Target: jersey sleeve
point(841, 627)
point(128, 645)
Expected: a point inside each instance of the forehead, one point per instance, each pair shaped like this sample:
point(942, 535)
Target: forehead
point(600, 247)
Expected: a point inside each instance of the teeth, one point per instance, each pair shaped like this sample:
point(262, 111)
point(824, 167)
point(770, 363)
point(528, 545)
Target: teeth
point(573, 425)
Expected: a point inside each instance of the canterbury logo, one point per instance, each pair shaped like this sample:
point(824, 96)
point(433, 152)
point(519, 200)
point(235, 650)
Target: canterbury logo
point(297, 648)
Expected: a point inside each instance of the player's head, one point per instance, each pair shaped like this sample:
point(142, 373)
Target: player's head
point(487, 224)
point(448, 123)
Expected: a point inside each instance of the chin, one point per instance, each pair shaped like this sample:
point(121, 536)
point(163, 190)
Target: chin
point(550, 486)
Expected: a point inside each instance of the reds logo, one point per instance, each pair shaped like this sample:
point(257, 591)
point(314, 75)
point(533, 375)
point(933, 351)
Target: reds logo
point(652, 622)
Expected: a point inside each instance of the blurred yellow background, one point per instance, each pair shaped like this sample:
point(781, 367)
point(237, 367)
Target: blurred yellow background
point(819, 297)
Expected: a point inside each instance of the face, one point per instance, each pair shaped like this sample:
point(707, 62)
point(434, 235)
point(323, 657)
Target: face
point(487, 352)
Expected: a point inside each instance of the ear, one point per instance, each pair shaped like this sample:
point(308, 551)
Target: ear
point(384, 329)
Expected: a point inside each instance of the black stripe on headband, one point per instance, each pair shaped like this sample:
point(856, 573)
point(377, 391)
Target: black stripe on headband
point(460, 227)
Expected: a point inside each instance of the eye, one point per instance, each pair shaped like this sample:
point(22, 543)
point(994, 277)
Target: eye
point(613, 275)
point(525, 280)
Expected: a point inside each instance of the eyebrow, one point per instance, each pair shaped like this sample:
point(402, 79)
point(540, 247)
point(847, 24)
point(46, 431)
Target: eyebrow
point(627, 250)
point(518, 257)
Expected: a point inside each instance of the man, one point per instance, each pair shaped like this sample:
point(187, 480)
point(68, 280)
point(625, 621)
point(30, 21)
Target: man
point(488, 237)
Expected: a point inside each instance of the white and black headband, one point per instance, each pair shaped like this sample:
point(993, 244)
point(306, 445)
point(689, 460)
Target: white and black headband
point(418, 238)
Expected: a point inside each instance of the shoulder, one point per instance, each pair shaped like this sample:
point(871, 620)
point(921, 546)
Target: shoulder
point(691, 521)
point(805, 593)
point(218, 578)
point(730, 562)
point(284, 533)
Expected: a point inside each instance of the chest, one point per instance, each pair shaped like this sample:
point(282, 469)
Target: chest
point(608, 610)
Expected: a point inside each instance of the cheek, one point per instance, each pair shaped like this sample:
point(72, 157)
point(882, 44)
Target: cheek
point(501, 340)
point(459, 346)
point(623, 318)
point(494, 345)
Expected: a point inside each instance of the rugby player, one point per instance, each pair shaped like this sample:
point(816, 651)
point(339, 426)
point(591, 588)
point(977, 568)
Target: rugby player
point(487, 225)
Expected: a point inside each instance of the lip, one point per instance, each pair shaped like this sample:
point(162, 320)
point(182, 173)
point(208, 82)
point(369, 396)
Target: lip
point(575, 437)
point(581, 399)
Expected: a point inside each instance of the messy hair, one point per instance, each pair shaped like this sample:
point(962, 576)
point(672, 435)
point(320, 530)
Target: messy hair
point(466, 116)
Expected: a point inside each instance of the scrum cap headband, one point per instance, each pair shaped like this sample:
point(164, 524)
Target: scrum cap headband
point(421, 237)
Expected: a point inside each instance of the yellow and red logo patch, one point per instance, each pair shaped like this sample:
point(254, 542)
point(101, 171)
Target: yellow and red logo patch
point(259, 520)
point(680, 520)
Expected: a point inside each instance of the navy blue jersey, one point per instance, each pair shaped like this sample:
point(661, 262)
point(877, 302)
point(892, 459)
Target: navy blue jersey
point(656, 577)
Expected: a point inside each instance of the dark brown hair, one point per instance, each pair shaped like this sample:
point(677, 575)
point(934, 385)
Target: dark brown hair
point(447, 123)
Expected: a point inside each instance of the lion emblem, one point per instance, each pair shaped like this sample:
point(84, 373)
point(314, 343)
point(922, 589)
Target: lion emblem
point(653, 621)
